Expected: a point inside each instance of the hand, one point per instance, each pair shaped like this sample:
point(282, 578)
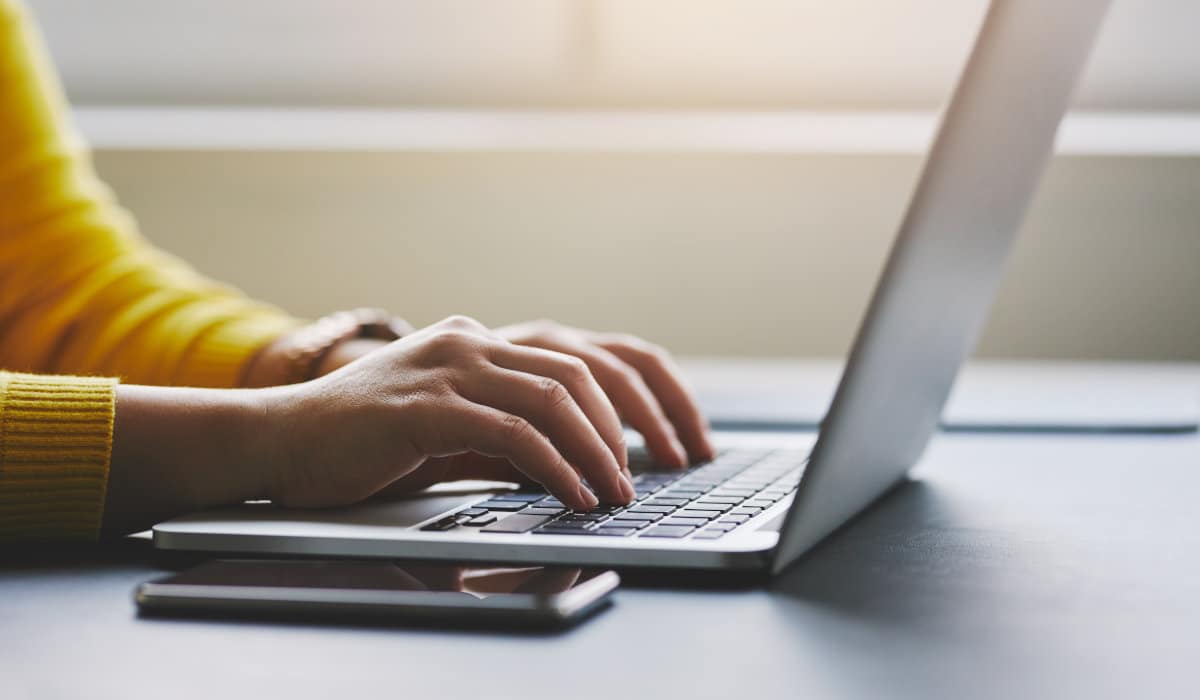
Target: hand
point(449, 390)
point(640, 378)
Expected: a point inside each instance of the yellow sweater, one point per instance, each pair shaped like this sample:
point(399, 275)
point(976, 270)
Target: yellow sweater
point(81, 293)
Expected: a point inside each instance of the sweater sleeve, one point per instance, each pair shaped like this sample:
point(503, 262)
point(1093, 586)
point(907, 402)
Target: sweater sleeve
point(81, 292)
point(55, 442)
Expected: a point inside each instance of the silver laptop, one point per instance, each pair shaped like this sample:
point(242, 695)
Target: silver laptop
point(760, 504)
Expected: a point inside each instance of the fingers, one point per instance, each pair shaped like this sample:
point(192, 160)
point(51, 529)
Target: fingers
point(495, 433)
point(666, 381)
point(453, 325)
point(631, 396)
point(551, 408)
point(573, 374)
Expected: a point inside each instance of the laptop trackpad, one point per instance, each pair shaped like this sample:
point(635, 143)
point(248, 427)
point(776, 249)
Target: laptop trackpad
point(404, 511)
point(400, 513)
point(410, 509)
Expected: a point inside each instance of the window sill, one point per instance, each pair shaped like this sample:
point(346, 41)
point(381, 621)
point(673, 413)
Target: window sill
point(810, 132)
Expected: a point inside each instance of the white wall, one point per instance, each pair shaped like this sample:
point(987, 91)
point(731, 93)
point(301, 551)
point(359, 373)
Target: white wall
point(765, 254)
point(741, 53)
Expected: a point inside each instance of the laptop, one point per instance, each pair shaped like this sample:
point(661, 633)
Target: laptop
point(767, 499)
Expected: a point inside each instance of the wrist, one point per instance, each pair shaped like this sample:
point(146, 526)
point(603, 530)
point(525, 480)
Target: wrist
point(268, 366)
point(274, 416)
point(322, 346)
point(347, 351)
point(181, 449)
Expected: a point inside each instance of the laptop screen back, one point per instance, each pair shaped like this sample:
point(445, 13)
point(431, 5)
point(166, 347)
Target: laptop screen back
point(930, 304)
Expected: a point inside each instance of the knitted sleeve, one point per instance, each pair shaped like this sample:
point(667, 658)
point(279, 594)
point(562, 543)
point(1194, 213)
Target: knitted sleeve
point(55, 442)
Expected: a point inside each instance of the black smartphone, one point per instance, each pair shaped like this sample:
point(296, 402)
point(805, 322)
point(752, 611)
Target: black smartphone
point(381, 592)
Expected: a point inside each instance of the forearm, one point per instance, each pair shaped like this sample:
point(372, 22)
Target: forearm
point(177, 450)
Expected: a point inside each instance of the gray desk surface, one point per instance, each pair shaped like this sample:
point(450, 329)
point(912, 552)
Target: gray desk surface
point(1044, 566)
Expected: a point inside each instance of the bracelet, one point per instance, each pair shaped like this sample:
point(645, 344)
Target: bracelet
point(309, 345)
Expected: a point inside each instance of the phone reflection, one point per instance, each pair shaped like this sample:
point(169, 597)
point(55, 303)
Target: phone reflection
point(479, 582)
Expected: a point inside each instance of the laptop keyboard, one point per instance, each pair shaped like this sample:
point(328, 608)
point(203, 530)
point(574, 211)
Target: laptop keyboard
point(702, 503)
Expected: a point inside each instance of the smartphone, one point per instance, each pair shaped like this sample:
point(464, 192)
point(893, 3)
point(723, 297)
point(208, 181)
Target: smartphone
point(381, 592)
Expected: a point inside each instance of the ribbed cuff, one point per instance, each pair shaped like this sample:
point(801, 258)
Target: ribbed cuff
point(219, 356)
point(55, 445)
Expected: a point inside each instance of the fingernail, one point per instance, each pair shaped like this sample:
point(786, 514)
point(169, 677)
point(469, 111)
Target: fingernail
point(587, 497)
point(627, 489)
point(680, 453)
point(709, 449)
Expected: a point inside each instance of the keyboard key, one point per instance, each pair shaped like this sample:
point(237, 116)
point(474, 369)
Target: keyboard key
point(746, 510)
point(635, 524)
point(481, 520)
point(707, 535)
point(646, 517)
point(737, 485)
point(659, 478)
point(690, 522)
point(538, 510)
point(556, 529)
point(503, 505)
point(583, 517)
point(673, 531)
point(517, 523)
point(674, 493)
point(562, 525)
point(689, 513)
point(647, 508)
point(526, 496)
point(613, 531)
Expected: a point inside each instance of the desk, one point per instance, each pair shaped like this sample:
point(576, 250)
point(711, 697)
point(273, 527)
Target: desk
point(1008, 567)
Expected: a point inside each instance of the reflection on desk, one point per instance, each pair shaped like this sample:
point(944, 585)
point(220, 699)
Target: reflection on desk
point(1027, 396)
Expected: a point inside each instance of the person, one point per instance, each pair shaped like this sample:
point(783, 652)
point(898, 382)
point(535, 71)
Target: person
point(132, 389)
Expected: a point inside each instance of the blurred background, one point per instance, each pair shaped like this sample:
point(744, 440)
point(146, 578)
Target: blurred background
point(722, 177)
